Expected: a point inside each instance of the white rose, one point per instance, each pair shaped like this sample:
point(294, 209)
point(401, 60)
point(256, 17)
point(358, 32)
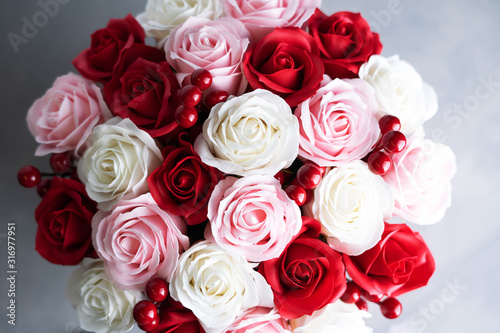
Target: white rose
point(400, 91)
point(255, 133)
point(162, 16)
point(101, 306)
point(421, 180)
point(117, 162)
point(217, 285)
point(338, 317)
point(352, 203)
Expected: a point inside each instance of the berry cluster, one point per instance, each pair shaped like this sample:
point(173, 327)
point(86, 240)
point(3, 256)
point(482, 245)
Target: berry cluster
point(391, 142)
point(62, 165)
point(146, 312)
point(191, 96)
point(390, 307)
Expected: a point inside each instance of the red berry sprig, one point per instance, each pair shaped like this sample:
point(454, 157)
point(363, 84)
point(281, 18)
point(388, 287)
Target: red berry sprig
point(146, 312)
point(391, 142)
point(29, 176)
point(390, 307)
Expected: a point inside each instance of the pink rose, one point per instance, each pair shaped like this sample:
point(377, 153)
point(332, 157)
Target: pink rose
point(259, 319)
point(138, 240)
point(217, 46)
point(64, 117)
point(261, 17)
point(252, 216)
point(420, 180)
point(338, 124)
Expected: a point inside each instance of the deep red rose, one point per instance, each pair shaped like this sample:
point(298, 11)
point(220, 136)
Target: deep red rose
point(144, 91)
point(345, 41)
point(98, 62)
point(287, 63)
point(399, 263)
point(308, 275)
point(175, 318)
point(183, 184)
point(64, 216)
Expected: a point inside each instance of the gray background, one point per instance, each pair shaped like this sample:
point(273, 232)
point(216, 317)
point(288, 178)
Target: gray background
point(452, 43)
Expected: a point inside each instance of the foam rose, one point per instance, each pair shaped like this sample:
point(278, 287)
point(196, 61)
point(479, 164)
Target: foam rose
point(252, 216)
point(259, 319)
point(217, 46)
point(262, 16)
point(400, 91)
point(335, 317)
point(338, 124)
point(117, 163)
point(138, 241)
point(255, 133)
point(421, 180)
point(217, 285)
point(161, 16)
point(65, 116)
point(352, 203)
point(101, 306)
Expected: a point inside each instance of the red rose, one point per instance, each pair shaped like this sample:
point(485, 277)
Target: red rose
point(345, 41)
point(308, 275)
point(399, 263)
point(183, 184)
point(144, 91)
point(64, 216)
point(176, 318)
point(98, 62)
point(285, 62)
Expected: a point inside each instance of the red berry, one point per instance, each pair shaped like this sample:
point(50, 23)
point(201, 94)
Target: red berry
point(281, 177)
point(151, 326)
point(43, 186)
point(309, 176)
point(371, 298)
point(186, 81)
point(216, 97)
point(389, 123)
point(145, 312)
point(394, 142)
point(379, 162)
point(201, 78)
point(391, 308)
point(362, 305)
point(190, 95)
point(29, 176)
point(297, 193)
point(157, 289)
point(186, 116)
point(352, 293)
point(61, 162)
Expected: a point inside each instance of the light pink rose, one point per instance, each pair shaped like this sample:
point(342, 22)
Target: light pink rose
point(261, 17)
point(259, 320)
point(252, 216)
point(338, 124)
point(64, 117)
point(138, 240)
point(421, 180)
point(217, 46)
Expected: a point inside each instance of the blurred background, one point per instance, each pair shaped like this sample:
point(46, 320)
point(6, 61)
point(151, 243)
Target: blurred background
point(452, 43)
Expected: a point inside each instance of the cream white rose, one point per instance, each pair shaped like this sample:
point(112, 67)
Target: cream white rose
point(217, 285)
point(255, 133)
point(352, 203)
point(421, 180)
point(117, 162)
point(162, 16)
point(338, 317)
point(101, 306)
point(400, 91)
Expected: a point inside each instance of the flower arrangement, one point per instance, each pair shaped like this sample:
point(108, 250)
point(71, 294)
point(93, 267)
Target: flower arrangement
point(239, 174)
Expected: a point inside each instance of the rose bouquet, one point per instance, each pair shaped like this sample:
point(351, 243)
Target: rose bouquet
point(240, 173)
